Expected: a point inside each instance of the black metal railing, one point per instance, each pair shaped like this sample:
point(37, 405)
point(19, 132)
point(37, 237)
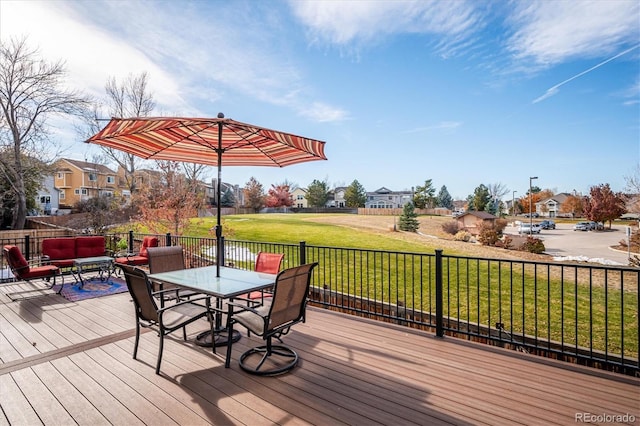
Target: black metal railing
point(580, 313)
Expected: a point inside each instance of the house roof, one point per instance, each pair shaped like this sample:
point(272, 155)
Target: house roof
point(84, 165)
point(480, 215)
point(559, 198)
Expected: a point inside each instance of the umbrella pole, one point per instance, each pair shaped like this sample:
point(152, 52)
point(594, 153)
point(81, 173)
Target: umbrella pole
point(219, 247)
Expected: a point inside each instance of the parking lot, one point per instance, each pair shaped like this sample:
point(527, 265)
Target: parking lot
point(594, 245)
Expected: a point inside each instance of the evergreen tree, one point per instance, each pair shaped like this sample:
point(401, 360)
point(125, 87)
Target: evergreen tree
point(355, 195)
point(409, 219)
point(444, 199)
point(318, 193)
point(424, 196)
point(228, 199)
point(480, 198)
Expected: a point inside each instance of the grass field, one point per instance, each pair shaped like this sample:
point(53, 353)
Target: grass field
point(544, 306)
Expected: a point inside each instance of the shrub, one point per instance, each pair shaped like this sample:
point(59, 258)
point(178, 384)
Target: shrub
point(462, 236)
point(507, 242)
point(533, 245)
point(500, 224)
point(450, 227)
point(488, 236)
point(490, 233)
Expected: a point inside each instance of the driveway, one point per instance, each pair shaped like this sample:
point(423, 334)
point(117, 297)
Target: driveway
point(582, 245)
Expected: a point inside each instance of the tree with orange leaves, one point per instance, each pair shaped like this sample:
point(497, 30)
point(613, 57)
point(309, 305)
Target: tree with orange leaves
point(536, 197)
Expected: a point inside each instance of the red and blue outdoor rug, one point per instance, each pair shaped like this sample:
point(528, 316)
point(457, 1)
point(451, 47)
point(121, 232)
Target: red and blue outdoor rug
point(92, 288)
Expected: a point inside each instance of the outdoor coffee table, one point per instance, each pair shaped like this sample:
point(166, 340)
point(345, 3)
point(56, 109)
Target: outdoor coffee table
point(101, 264)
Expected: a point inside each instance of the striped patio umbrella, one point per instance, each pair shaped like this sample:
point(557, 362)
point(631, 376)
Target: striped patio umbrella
point(212, 141)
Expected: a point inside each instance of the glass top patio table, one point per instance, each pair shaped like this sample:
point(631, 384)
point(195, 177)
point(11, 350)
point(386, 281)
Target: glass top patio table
point(231, 283)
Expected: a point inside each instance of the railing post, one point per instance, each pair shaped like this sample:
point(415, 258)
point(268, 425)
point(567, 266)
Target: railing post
point(439, 304)
point(222, 250)
point(167, 239)
point(27, 247)
point(303, 252)
point(130, 250)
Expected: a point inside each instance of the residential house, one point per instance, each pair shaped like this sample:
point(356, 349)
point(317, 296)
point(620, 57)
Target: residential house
point(142, 178)
point(336, 197)
point(471, 221)
point(48, 197)
point(80, 180)
point(227, 191)
point(551, 207)
point(384, 198)
point(299, 197)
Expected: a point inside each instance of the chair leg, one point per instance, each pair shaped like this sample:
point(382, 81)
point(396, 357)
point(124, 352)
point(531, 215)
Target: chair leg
point(211, 319)
point(160, 346)
point(135, 345)
point(227, 361)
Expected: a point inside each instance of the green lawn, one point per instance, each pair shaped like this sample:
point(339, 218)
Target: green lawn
point(544, 307)
point(293, 228)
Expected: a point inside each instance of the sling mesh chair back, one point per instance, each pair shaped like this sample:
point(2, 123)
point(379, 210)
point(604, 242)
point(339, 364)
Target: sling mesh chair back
point(166, 319)
point(274, 320)
point(29, 271)
point(166, 259)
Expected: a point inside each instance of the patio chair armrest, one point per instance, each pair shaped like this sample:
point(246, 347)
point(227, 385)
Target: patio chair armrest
point(168, 290)
point(38, 262)
point(123, 253)
point(231, 305)
point(196, 299)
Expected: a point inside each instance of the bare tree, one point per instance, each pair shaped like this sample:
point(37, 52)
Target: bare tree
point(195, 172)
point(633, 190)
point(497, 191)
point(31, 91)
point(130, 98)
point(168, 205)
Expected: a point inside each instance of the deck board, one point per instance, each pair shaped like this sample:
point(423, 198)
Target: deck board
point(352, 371)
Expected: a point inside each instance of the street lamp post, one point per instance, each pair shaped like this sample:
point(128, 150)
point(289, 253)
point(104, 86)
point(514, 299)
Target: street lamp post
point(531, 205)
point(513, 203)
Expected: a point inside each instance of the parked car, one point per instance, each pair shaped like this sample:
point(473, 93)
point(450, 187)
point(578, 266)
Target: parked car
point(582, 226)
point(526, 228)
point(532, 215)
point(548, 224)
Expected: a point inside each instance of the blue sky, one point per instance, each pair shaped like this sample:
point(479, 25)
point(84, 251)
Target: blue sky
point(460, 92)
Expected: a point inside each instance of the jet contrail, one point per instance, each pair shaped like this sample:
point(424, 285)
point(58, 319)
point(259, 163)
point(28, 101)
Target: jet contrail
point(555, 89)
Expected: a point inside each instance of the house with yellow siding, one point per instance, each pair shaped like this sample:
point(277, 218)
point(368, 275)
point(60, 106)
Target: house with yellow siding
point(80, 180)
point(299, 196)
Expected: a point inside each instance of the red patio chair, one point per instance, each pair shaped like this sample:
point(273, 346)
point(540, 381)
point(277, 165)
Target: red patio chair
point(268, 263)
point(29, 271)
point(142, 257)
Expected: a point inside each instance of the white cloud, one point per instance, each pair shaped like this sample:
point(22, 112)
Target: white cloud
point(321, 112)
point(195, 53)
point(91, 55)
point(551, 32)
point(354, 22)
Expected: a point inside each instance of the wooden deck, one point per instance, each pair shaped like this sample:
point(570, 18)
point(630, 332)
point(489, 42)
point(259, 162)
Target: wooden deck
point(70, 363)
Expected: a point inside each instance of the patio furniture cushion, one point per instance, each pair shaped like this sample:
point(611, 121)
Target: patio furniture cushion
point(16, 260)
point(90, 246)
